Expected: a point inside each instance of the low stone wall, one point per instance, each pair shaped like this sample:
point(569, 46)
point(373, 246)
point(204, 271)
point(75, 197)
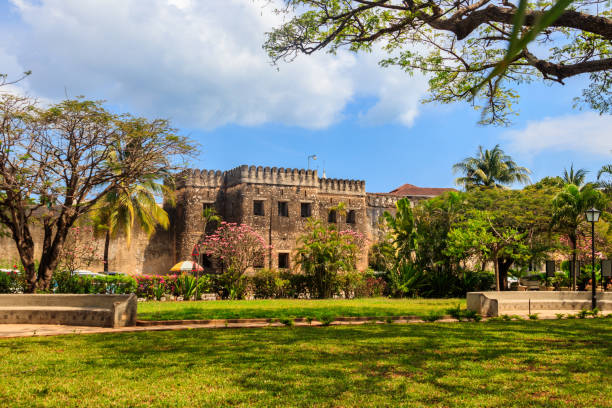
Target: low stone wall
point(75, 310)
point(510, 302)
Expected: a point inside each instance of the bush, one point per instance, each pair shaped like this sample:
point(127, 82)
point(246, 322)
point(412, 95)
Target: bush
point(268, 284)
point(533, 316)
point(432, 317)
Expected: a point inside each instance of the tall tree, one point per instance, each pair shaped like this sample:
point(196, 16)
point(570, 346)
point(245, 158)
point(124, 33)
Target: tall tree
point(569, 208)
point(459, 43)
point(490, 168)
point(127, 205)
point(58, 162)
point(576, 177)
point(605, 182)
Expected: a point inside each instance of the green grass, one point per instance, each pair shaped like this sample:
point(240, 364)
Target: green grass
point(553, 363)
point(234, 309)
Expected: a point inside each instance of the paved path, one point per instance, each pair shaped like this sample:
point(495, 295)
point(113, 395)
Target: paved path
point(33, 330)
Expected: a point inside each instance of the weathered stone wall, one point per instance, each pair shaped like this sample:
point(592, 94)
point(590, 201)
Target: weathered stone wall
point(232, 194)
point(145, 255)
point(237, 189)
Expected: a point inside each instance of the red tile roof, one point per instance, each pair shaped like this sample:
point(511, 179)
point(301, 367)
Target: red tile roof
point(412, 190)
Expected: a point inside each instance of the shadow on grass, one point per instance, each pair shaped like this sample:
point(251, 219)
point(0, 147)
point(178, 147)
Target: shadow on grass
point(429, 363)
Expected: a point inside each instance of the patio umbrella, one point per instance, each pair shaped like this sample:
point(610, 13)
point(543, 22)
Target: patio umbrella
point(187, 266)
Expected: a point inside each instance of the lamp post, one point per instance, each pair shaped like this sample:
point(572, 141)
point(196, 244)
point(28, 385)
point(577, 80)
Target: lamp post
point(592, 216)
point(313, 157)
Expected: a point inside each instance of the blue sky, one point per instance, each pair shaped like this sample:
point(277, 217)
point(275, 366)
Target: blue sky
point(201, 65)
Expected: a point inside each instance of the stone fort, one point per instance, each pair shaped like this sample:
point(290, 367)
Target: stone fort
point(277, 202)
point(274, 201)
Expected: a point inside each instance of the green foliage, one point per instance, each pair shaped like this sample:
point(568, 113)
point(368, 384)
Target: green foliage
point(64, 282)
point(455, 312)
point(405, 280)
point(433, 317)
point(268, 284)
point(480, 62)
point(559, 316)
point(582, 314)
point(490, 168)
point(533, 316)
point(327, 319)
point(324, 252)
point(287, 321)
point(402, 228)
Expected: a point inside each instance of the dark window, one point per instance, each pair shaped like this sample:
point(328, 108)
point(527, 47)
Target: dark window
point(306, 210)
point(283, 260)
point(350, 217)
point(331, 216)
point(205, 261)
point(283, 209)
point(258, 207)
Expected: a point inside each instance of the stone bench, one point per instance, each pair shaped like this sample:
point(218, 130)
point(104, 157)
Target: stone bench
point(74, 310)
point(499, 303)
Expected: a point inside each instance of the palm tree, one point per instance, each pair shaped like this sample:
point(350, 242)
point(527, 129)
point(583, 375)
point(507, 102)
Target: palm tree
point(606, 185)
point(122, 207)
point(568, 212)
point(576, 177)
point(490, 168)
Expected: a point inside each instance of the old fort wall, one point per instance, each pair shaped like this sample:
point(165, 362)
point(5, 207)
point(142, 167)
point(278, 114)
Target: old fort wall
point(233, 193)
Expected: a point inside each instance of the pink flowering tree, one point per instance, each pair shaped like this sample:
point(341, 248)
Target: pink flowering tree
point(236, 248)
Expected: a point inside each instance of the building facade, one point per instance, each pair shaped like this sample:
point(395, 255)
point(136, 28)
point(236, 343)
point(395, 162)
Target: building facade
point(277, 203)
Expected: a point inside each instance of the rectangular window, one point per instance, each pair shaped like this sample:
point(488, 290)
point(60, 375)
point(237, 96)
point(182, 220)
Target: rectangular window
point(306, 210)
point(258, 207)
point(283, 260)
point(350, 217)
point(283, 209)
point(331, 216)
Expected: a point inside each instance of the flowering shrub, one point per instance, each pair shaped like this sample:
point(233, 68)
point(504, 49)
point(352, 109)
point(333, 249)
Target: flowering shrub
point(11, 281)
point(236, 247)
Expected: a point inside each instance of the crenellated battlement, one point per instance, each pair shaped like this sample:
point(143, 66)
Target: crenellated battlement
point(381, 200)
point(200, 178)
point(341, 186)
point(279, 176)
point(271, 175)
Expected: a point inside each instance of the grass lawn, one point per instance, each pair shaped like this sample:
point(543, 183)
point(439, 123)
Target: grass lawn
point(494, 364)
point(234, 309)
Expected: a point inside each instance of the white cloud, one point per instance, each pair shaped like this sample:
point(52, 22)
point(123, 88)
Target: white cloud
point(586, 132)
point(198, 62)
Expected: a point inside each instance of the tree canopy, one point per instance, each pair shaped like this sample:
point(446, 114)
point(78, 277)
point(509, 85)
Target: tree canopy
point(459, 43)
point(490, 168)
point(58, 162)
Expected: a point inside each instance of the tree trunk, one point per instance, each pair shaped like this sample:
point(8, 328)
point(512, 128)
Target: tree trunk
point(25, 247)
point(106, 246)
point(50, 254)
point(573, 265)
point(496, 266)
point(504, 265)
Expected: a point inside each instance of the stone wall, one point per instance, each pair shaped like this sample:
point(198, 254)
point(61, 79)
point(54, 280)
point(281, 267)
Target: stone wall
point(232, 193)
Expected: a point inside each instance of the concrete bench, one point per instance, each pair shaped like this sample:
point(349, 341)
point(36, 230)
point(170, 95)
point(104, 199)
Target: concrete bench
point(74, 310)
point(499, 303)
